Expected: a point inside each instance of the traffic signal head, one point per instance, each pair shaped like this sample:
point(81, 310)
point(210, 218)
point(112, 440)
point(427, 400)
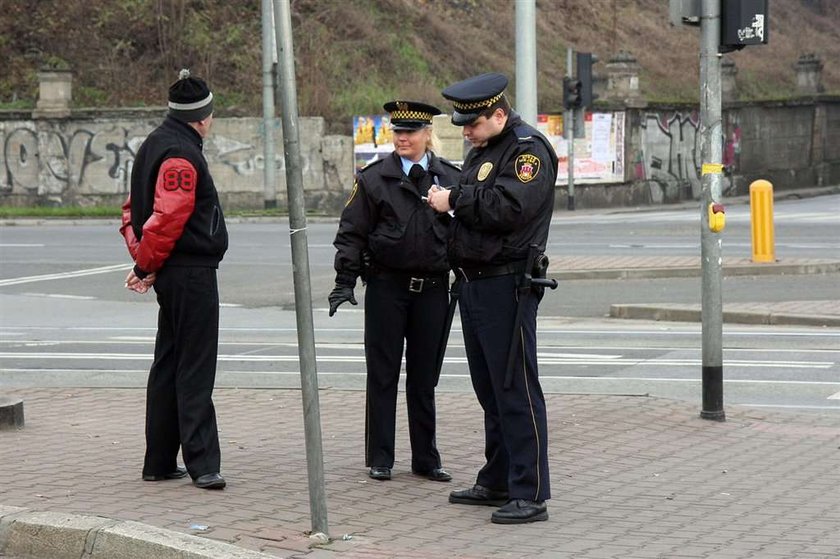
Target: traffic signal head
point(571, 93)
point(584, 72)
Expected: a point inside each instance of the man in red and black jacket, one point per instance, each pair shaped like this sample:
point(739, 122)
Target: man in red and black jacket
point(175, 231)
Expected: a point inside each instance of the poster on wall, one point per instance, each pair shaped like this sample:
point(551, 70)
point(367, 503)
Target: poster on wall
point(372, 139)
point(599, 156)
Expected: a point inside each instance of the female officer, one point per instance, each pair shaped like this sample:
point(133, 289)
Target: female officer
point(389, 236)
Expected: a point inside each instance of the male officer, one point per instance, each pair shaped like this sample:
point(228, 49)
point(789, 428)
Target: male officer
point(502, 205)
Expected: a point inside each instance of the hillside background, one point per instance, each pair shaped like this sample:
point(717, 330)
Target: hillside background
point(353, 55)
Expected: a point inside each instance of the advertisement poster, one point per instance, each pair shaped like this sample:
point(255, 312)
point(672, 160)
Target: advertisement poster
point(599, 157)
point(372, 138)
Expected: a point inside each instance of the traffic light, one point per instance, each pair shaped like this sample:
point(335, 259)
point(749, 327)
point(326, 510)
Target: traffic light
point(584, 72)
point(571, 93)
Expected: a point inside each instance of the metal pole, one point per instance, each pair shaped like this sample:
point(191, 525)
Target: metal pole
point(268, 51)
point(710, 242)
point(300, 271)
point(569, 132)
point(526, 60)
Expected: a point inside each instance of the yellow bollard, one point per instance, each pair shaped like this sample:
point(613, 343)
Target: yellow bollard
point(761, 217)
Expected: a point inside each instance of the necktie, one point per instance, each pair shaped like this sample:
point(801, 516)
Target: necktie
point(416, 173)
point(421, 178)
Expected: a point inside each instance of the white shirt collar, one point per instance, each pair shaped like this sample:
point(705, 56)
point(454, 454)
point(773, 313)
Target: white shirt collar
point(407, 163)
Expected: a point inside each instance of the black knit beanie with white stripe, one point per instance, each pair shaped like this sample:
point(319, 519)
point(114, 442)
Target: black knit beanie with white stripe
point(190, 100)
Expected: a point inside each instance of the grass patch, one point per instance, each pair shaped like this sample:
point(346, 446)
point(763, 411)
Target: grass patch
point(45, 211)
point(19, 104)
point(115, 212)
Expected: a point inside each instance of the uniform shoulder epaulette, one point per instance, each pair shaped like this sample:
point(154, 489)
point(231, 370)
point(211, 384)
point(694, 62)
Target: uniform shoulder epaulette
point(524, 134)
point(371, 165)
point(448, 163)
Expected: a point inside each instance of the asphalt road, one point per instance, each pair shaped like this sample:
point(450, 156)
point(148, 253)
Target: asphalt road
point(257, 270)
point(67, 321)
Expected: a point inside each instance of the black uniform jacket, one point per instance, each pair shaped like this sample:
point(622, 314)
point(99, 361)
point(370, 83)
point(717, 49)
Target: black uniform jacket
point(505, 198)
point(386, 216)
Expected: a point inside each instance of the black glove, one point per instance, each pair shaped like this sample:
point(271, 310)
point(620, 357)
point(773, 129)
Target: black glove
point(340, 294)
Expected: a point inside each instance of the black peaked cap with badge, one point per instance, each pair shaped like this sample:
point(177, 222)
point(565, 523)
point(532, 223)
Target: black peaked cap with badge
point(410, 115)
point(474, 95)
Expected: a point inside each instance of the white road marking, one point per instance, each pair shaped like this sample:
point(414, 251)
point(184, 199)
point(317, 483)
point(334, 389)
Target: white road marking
point(65, 275)
point(789, 406)
point(543, 333)
point(445, 375)
point(123, 340)
point(834, 396)
point(22, 245)
point(59, 296)
point(572, 360)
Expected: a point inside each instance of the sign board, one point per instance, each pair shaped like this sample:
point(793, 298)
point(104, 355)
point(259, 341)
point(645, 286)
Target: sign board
point(743, 22)
point(599, 155)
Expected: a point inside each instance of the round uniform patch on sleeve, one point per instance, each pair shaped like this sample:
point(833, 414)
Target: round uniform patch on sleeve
point(527, 167)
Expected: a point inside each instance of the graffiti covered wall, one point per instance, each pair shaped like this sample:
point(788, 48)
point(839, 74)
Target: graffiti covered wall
point(88, 162)
point(670, 154)
point(793, 145)
point(69, 162)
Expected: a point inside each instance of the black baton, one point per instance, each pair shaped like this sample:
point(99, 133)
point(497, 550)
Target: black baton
point(454, 291)
point(536, 266)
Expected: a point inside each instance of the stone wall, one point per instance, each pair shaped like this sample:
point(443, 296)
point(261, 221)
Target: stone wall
point(85, 159)
point(794, 145)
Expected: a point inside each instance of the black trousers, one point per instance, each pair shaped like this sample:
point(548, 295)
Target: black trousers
point(179, 405)
point(396, 318)
point(515, 426)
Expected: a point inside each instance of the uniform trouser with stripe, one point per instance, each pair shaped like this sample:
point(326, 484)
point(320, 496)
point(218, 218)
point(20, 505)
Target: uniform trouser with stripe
point(179, 405)
point(515, 426)
point(396, 318)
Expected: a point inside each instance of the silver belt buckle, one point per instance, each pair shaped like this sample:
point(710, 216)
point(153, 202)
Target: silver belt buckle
point(415, 285)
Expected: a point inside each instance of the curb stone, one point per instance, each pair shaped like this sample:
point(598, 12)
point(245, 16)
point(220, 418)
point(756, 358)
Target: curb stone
point(696, 271)
point(49, 535)
point(687, 314)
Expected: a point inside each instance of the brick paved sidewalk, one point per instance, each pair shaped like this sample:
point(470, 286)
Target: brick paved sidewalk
point(632, 477)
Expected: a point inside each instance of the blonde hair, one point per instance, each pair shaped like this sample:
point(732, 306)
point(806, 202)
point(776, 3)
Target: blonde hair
point(433, 144)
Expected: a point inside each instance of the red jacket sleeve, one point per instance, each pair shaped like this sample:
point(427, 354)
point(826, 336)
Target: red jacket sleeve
point(127, 231)
point(173, 205)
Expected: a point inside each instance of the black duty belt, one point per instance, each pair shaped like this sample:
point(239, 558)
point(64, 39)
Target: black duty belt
point(414, 283)
point(482, 272)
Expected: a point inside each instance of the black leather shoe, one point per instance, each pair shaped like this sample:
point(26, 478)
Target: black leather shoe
point(177, 474)
point(435, 474)
point(210, 481)
point(479, 495)
point(381, 473)
point(520, 511)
